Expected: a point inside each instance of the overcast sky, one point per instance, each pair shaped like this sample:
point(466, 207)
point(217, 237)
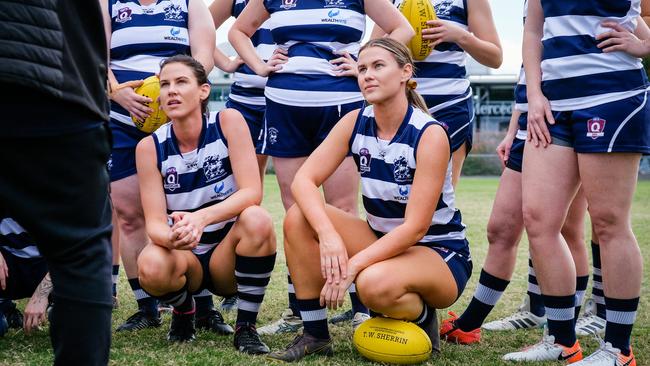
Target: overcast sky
point(507, 16)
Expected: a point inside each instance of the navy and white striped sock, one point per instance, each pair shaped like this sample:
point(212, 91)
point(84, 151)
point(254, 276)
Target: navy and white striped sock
point(253, 275)
point(314, 318)
point(291, 291)
point(621, 314)
point(597, 287)
point(115, 277)
point(357, 305)
point(146, 303)
point(204, 303)
point(425, 316)
point(581, 288)
point(560, 312)
point(487, 294)
point(534, 293)
point(181, 300)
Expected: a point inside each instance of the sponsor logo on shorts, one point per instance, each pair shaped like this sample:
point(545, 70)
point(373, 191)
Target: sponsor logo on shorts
point(171, 179)
point(288, 4)
point(335, 4)
point(174, 13)
point(213, 168)
point(401, 170)
point(123, 15)
point(364, 160)
point(273, 135)
point(174, 35)
point(596, 128)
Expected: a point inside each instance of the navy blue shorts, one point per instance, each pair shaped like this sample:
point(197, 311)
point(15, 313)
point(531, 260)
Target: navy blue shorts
point(292, 132)
point(254, 116)
point(516, 157)
point(619, 126)
point(121, 163)
point(459, 118)
point(206, 281)
point(25, 274)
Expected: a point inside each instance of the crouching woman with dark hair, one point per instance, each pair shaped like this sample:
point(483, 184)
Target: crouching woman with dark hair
point(411, 256)
point(200, 190)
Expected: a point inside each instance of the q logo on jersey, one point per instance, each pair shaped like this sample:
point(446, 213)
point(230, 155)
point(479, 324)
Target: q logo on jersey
point(596, 128)
point(171, 179)
point(364, 160)
point(123, 15)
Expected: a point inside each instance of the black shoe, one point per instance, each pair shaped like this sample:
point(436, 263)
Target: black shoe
point(247, 340)
point(214, 323)
point(140, 320)
point(304, 345)
point(182, 327)
point(431, 328)
point(342, 317)
point(14, 318)
point(229, 303)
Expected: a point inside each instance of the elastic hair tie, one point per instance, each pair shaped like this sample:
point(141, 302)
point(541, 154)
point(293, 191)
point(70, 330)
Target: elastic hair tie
point(412, 84)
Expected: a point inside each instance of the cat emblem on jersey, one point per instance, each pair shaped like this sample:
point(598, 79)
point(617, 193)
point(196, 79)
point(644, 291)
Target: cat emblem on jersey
point(123, 15)
point(443, 8)
point(364, 160)
point(174, 13)
point(288, 4)
point(213, 168)
point(596, 128)
point(171, 179)
point(335, 4)
point(401, 170)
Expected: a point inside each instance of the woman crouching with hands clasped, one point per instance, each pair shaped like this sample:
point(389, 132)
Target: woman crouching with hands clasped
point(200, 188)
point(411, 256)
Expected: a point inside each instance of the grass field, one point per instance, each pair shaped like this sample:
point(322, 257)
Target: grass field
point(475, 196)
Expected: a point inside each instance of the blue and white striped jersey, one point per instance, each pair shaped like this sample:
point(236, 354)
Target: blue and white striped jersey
point(248, 87)
point(521, 99)
point(442, 77)
point(576, 74)
point(387, 175)
point(143, 36)
point(15, 240)
point(313, 31)
point(197, 179)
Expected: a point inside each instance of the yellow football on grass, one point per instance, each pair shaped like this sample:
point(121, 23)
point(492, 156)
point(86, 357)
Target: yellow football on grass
point(392, 341)
point(151, 89)
point(417, 12)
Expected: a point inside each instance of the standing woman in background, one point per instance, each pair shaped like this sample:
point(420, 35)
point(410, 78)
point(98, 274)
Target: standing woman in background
point(463, 27)
point(247, 90)
point(311, 83)
point(141, 34)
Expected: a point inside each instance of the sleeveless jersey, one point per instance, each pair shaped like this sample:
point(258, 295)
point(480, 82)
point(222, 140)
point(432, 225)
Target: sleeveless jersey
point(576, 74)
point(143, 36)
point(248, 87)
point(199, 178)
point(442, 77)
point(313, 31)
point(387, 174)
point(521, 99)
point(15, 240)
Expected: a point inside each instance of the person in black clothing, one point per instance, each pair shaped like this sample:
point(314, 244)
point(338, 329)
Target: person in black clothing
point(54, 145)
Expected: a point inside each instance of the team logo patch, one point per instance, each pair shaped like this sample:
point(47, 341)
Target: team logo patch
point(443, 8)
point(273, 135)
point(596, 128)
point(364, 160)
point(171, 179)
point(335, 4)
point(213, 168)
point(174, 13)
point(401, 170)
point(288, 4)
point(123, 15)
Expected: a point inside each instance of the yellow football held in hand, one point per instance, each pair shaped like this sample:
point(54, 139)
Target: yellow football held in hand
point(389, 340)
point(417, 12)
point(151, 89)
